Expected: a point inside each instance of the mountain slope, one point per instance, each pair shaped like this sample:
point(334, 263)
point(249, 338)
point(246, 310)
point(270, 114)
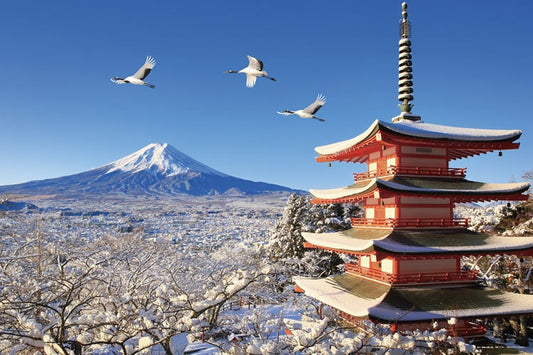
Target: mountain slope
point(157, 169)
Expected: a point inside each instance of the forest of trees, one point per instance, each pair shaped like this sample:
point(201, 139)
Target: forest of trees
point(129, 295)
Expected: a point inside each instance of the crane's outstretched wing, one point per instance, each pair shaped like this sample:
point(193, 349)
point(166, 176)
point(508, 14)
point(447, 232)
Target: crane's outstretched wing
point(250, 80)
point(315, 106)
point(255, 63)
point(145, 69)
point(284, 113)
point(118, 80)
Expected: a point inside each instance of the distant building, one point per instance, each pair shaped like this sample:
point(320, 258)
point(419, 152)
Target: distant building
point(409, 246)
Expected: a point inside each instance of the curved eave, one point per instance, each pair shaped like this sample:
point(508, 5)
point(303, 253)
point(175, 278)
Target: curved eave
point(462, 142)
point(349, 193)
point(439, 187)
point(366, 299)
point(421, 304)
point(458, 242)
point(345, 292)
point(458, 191)
point(354, 241)
point(420, 129)
point(336, 148)
point(348, 241)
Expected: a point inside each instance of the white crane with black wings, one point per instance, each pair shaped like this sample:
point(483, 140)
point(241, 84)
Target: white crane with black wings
point(138, 77)
point(253, 71)
point(309, 111)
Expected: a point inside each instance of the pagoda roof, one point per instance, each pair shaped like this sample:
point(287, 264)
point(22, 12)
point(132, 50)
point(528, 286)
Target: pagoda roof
point(414, 186)
point(345, 292)
point(361, 240)
point(422, 130)
point(367, 299)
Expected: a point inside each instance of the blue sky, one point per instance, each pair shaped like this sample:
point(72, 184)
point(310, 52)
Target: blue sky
point(61, 114)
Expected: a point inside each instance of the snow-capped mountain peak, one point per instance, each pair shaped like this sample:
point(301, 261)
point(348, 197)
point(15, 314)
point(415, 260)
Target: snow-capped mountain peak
point(157, 169)
point(160, 159)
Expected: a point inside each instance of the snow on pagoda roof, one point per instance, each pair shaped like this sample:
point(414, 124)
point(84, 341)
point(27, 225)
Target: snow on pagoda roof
point(349, 294)
point(358, 188)
point(364, 298)
point(454, 241)
point(417, 242)
point(421, 186)
point(425, 303)
point(350, 240)
point(453, 187)
point(420, 129)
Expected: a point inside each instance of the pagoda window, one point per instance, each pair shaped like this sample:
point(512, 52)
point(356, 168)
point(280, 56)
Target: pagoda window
point(415, 200)
point(389, 201)
point(372, 167)
point(391, 162)
point(372, 202)
point(425, 212)
point(427, 266)
point(390, 212)
point(389, 151)
point(411, 150)
point(423, 162)
point(374, 155)
point(387, 265)
point(365, 261)
point(370, 213)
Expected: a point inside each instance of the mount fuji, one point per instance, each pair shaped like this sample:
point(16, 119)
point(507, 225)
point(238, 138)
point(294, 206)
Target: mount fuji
point(157, 169)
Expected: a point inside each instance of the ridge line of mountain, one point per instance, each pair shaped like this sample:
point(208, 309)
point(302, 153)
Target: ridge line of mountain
point(156, 169)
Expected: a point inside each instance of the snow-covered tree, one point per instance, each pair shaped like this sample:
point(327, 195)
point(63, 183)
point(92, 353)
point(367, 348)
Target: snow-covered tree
point(124, 294)
point(516, 219)
point(286, 240)
point(286, 245)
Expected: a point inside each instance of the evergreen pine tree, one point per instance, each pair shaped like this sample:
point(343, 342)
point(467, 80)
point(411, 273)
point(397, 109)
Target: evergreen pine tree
point(286, 242)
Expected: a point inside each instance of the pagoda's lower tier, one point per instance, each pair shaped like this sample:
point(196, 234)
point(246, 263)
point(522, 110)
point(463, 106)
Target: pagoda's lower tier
point(423, 257)
point(414, 307)
point(360, 240)
point(391, 189)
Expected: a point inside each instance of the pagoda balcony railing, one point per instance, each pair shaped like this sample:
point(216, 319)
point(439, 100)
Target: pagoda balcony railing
point(411, 278)
point(410, 222)
point(395, 170)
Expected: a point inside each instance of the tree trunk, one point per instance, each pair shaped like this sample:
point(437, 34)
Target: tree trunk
point(497, 329)
point(521, 335)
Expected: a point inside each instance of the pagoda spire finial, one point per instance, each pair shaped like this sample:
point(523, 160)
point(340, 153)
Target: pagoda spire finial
point(405, 77)
point(405, 26)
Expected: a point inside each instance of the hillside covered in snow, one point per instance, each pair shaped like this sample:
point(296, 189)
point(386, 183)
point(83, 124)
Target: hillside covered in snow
point(157, 170)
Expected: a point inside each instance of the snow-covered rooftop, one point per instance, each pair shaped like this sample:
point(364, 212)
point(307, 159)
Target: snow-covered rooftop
point(340, 192)
point(422, 186)
point(363, 298)
point(361, 240)
point(349, 294)
point(421, 129)
point(349, 240)
point(442, 303)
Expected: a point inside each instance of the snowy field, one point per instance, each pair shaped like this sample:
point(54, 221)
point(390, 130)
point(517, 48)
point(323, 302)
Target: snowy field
point(166, 276)
point(185, 221)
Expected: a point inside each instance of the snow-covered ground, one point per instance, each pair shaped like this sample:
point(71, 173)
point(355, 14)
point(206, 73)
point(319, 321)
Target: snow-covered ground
point(166, 265)
point(206, 221)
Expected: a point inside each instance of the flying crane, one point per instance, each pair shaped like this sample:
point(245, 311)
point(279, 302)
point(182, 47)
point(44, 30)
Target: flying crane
point(252, 71)
point(138, 77)
point(309, 111)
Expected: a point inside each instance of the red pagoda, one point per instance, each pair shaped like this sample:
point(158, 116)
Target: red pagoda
point(408, 247)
